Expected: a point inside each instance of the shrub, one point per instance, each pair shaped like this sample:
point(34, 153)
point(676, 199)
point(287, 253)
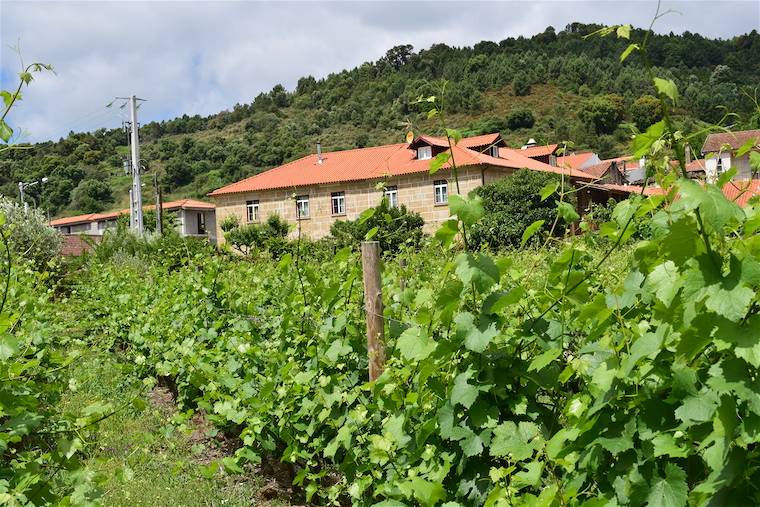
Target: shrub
point(520, 119)
point(520, 86)
point(511, 205)
point(170, 250)
point(270, 236)
point(393, 228)
point(229, 223)
point(30, 236)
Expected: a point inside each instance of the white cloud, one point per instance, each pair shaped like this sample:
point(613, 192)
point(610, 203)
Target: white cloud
point(202, 57)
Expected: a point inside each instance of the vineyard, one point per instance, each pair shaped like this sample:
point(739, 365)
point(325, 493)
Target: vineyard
point(615, 367)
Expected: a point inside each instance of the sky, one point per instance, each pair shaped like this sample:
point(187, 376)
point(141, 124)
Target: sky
point(201, 57)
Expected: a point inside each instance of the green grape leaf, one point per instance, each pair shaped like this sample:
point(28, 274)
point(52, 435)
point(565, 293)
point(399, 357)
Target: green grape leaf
point(463, 393)
point(514, 441)
point(414, 344)
point(530, 231)
point(469, 211)
point(548, 190)
point(475, 337)
point(668, 88)
point(669, 491)
point(438, 162)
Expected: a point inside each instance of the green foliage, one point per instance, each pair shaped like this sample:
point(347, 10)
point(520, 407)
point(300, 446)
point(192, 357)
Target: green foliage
point(230, 222)
point(40, 444)
point(512, 204)
point(520, 119)
point(521, 85)
point(170, 250)
point(91, 196)
point(29, 236)
point(269, 236)
point(645, 111)
point(393, 227)
point(603, 113)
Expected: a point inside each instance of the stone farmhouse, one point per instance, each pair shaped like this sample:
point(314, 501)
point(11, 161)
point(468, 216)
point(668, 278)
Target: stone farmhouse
point(192, 218)
point(318, 189)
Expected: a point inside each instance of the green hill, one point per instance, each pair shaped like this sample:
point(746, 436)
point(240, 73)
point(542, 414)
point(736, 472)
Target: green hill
point(554, 86)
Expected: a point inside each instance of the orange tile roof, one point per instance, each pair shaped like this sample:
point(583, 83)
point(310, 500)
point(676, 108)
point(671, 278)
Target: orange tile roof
point(479, 141)
point(78, 219)
point(94, 217)
point(536, 151)
point(379, 162)
point(600, 169)
point(741, 191)
point(696, 165)
point(734, 140)
point(574, 160)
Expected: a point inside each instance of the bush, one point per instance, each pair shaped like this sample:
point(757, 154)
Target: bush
point(520, 86)
point(394, 228)
point(270, 236)
point(170, 250)
point(30, 236)
point(520, 119)
point(229, 223)
point(511, 205)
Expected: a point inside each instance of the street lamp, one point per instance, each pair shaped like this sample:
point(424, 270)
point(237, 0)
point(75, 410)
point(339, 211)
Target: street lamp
point(23, 186)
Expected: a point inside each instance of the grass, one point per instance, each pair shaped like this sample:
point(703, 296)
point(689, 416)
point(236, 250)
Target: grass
point(142, 458)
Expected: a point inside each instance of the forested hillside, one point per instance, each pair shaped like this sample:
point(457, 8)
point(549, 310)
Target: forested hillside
point(554, 86)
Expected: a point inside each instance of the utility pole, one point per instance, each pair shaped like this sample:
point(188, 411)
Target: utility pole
point(135, 195)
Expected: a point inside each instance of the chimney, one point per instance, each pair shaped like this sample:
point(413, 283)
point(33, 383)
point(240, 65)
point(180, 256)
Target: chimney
point(687, 154)
point(319, 153)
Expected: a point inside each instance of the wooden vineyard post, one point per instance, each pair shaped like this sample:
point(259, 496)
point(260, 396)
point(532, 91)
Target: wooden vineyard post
point(402, 280)
point(373, 306)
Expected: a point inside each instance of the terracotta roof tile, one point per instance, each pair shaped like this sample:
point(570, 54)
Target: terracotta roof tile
point(168, 206)
point(741, 191)
point(600, 169)
point(376, 163)
point(574, 160)
point(735, 140)
point(537, 151)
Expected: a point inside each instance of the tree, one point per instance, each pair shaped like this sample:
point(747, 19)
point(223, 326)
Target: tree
point(511, 205)
point(178, 173)
point(520, 119)
point(603, 113)
point(394, 227)
point(91, 196)
point(521, 85)
point(645, 111)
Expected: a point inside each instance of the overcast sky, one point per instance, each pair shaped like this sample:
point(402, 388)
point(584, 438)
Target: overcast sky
point(202, 57)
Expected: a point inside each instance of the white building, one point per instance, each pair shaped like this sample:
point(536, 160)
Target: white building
point(720, 150)
point(192, 218)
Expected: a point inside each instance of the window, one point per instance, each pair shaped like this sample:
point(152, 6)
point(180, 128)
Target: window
point(102, 225)
point(494, 151)
point(302, 206)
point(391, 194)
point(424, 152)
point(441, 191)
point(719, 167)
point(201, 223)
point(338, 203)
point(252, 211)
